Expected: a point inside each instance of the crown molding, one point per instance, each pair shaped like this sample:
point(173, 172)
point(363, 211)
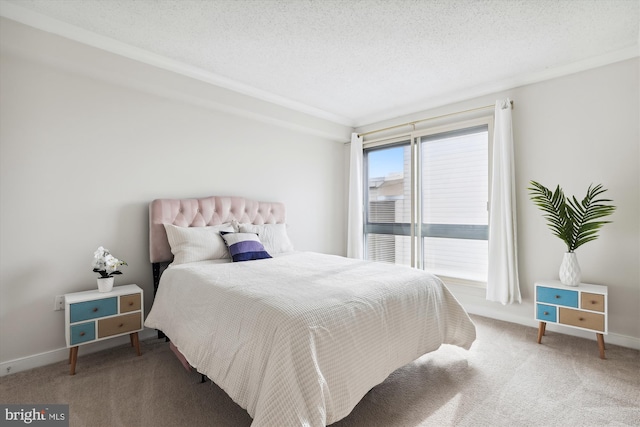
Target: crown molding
point(72, 32)
point(502, 85)
point(51, 25)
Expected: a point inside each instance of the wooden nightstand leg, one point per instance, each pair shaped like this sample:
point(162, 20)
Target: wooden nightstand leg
point(135, 342)
point(73, 358)
point(601, 345)
point(541, 330)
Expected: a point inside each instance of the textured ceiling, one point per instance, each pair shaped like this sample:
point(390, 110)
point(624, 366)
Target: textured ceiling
point(360, 61)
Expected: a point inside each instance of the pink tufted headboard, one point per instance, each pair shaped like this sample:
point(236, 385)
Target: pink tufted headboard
point(202, 212)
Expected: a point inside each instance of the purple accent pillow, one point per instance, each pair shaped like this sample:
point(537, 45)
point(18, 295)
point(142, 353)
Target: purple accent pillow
point(244, 246)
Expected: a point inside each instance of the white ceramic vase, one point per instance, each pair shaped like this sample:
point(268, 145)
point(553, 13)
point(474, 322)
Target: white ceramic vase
point(105, 284)
point(570, 270)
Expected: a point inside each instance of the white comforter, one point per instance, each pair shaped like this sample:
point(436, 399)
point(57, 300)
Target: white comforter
point(299, 339)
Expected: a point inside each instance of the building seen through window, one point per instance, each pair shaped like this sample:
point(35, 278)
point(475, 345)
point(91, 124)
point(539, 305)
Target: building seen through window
point(451, 194)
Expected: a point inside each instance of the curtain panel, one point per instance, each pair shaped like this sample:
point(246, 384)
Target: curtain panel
point(502, 280)
point(355, 228)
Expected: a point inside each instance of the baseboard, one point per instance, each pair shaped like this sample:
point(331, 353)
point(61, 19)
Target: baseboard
point(611, 338)
point(54, 356)
point(58, 355)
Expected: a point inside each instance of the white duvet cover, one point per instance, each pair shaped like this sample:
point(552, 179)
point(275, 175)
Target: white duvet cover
point(299, 339)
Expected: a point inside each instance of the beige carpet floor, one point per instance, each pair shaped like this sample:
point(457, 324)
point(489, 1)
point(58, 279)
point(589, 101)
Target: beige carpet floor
point(506, 379)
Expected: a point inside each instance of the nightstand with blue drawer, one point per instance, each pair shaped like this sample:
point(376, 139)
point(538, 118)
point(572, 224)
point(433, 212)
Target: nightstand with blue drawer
point(582, 307)
point(93, 316)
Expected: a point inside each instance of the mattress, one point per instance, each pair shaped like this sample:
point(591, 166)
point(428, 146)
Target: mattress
point(300, 338)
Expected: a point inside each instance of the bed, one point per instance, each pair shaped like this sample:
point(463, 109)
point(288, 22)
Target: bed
point(295, 338)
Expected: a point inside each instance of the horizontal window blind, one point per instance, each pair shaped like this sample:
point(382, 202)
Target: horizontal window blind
point(452, 219)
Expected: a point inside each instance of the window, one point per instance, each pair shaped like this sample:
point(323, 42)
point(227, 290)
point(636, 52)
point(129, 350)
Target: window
point(427, 200)
point(388, 213)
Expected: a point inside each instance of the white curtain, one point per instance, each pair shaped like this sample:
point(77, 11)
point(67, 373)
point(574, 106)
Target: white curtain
point(502, 281)
point(355, 236)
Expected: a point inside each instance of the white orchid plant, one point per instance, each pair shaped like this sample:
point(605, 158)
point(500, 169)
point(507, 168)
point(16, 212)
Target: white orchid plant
point(106, 264)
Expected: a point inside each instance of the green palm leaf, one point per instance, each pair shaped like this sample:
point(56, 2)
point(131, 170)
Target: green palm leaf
point(572, 221)
point(554, 206)
point(586, 213)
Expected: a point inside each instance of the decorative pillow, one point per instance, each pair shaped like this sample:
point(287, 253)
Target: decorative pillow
point(191, 244)
point(244, 246)
point(273, 236)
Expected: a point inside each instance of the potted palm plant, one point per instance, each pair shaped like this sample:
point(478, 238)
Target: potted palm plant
point(575, 222)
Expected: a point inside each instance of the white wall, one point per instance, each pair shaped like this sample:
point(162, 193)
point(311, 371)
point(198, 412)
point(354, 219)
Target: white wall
point(88, 139)
point(573, 131)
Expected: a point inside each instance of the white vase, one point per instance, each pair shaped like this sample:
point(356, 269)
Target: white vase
point(105, 284)
point(570, 270)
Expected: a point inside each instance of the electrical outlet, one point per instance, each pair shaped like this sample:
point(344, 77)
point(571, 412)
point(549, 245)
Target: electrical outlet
point(59, 303)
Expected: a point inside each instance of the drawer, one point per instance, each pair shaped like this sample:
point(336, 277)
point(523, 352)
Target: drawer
point(557, 296)
point(546, 313)
point(82, 332)
point(129, 303)
point(119, 325)
point(93, 309)
point(594, 302)
point(582, 319)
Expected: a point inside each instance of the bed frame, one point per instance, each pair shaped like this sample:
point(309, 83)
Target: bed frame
point(214, 210)
point(286, 380)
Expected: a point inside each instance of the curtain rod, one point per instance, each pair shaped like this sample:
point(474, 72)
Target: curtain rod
point(427, 119)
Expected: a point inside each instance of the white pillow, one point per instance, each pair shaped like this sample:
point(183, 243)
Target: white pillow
point(273, 236)
point(191, 244)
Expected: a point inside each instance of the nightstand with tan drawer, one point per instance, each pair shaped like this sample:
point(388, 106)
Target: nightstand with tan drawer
point(92, 316)
point(583, 307)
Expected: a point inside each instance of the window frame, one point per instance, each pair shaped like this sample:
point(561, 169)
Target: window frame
point(416, 229)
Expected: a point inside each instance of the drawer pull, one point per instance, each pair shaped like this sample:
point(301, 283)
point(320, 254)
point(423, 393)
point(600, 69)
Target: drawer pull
point(546, 313)
point(81, 334)
point(131, 303)
point(557, 296)
point(594, 302)
point(581, 319)
point(95, 309)
point(122, 324)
